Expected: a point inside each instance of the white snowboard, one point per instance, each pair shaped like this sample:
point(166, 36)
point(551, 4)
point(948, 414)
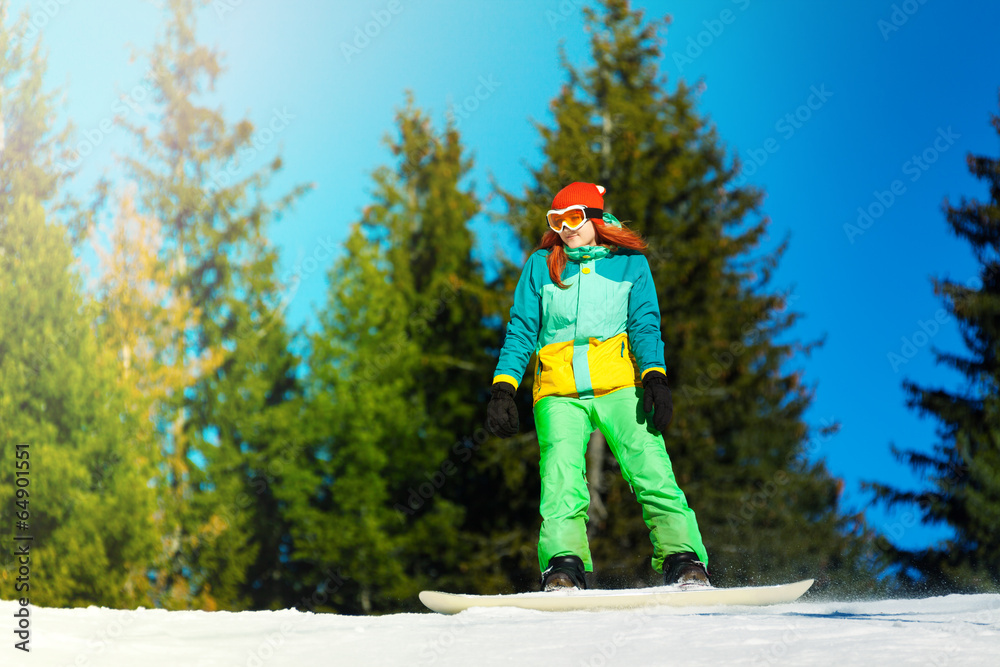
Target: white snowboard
point(574, 600)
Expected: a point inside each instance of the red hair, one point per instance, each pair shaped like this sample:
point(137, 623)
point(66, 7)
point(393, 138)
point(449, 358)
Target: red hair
point(606, 235)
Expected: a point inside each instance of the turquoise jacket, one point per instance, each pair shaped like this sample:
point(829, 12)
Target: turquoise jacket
point(599, 335)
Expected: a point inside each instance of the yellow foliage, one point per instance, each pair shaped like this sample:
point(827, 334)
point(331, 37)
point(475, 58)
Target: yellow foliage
point(146, 321)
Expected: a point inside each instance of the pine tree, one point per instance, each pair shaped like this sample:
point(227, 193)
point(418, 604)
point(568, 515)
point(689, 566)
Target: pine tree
point(738, 441)
point(962, 473)
point(225, 432)
point(397, 374)
point(89, 507)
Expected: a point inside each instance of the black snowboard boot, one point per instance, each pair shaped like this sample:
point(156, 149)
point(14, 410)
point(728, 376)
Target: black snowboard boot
point(684, 569)
point(563, 572)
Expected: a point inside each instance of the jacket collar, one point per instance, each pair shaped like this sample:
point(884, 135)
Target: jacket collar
point(586, 252)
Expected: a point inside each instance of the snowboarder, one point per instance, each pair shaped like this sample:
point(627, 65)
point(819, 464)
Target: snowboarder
point(586, 305)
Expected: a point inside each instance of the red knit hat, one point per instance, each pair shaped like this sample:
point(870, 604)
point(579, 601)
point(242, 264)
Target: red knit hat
point(587, 195)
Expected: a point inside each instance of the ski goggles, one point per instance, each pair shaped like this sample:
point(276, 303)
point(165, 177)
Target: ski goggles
point(557, 225)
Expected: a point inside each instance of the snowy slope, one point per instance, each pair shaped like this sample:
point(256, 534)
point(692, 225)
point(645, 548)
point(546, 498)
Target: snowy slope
point(952, 630)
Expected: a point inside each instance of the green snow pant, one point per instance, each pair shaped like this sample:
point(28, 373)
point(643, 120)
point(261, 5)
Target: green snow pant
point(564, 426)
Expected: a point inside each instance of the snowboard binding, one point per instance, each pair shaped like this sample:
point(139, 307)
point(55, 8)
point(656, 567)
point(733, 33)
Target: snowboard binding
point(685, 570)
point(564, 572)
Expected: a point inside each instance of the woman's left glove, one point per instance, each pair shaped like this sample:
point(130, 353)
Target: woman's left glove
point(501, 413)
point(658, 399)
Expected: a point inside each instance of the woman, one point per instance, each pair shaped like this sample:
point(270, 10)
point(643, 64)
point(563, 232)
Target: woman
point(586, 305)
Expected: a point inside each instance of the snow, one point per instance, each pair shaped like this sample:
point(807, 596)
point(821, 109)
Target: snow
point(951, 630)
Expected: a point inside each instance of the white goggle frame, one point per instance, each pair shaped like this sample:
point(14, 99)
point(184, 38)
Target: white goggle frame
point(587, 214)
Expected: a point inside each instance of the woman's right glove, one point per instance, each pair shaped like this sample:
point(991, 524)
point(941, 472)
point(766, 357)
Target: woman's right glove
point(501, 413)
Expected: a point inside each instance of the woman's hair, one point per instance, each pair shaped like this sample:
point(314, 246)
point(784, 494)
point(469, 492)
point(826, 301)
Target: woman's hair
point(607, 235)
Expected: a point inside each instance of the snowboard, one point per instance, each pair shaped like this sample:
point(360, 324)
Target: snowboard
point(576, 600)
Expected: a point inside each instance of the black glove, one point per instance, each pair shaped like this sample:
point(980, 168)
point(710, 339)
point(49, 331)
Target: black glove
point(658, 399)
point(501, 413)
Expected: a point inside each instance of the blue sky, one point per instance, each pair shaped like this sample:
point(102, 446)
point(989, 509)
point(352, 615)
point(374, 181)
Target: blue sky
point(833, 106)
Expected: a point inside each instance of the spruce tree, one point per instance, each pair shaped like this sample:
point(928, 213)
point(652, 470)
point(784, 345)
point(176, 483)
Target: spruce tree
point(397, 374)
point(223, 434)
point(738, 442)
point(962, 472)
point(90, 510)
